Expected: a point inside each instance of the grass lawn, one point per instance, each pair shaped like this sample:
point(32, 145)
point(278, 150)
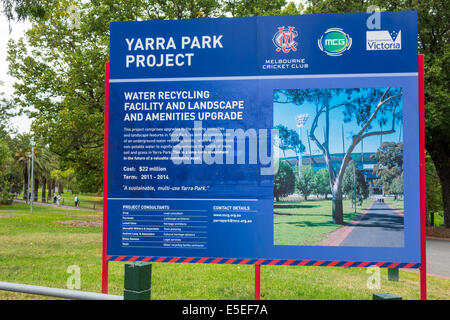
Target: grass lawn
point(38, 248)
point(308, 222)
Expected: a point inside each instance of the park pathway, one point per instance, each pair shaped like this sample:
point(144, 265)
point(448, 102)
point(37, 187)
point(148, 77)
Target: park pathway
point(438, 257)
point(56, 205)
point(380, 226)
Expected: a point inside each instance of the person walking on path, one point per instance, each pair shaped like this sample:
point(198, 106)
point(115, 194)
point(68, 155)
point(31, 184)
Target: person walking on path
point(77, 201)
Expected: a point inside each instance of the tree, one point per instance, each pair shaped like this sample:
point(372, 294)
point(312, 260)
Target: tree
point(434, 32)
point(321, 183)
point(362, 105)
point(60, 71)
point(4, 161)
point(283, 181)
point(305, 182)
point(433, 190)
point(350, 183)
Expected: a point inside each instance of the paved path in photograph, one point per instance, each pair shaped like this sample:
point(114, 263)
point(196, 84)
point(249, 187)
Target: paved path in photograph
point(381, 226)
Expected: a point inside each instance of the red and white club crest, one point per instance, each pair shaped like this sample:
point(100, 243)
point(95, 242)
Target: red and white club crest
point(284, 39)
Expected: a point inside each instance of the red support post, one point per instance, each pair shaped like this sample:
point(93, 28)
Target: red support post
point(257, 281)
point(105, 184)
point(423, 221)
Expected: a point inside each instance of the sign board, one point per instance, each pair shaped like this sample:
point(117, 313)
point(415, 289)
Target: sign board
point(207, 162)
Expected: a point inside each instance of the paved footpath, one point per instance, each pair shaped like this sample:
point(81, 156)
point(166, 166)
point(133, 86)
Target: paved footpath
point(57, 206)
point(381, 226)
point(438, 257)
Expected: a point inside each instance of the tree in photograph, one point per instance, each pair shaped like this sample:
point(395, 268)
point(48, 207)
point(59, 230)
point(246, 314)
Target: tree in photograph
point(288, 139)
point(389, 164)
point(321, 183)
point(433, 34)
point(283, 142)
point(359, 105)
point(397, 186)
point(283, 181)
point(305, 183)
point(350, 184)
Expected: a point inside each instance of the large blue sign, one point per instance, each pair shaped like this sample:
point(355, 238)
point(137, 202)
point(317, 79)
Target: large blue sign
point(245, 139)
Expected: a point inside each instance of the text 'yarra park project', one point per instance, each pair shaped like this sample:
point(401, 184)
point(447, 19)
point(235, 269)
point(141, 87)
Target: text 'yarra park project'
point(167, 59)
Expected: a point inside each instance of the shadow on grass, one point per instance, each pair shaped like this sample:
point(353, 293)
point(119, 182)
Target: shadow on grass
point(295, 206)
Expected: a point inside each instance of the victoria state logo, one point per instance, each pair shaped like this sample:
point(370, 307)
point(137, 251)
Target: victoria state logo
point(384, 40)
point(334, 42)
point(284, 39)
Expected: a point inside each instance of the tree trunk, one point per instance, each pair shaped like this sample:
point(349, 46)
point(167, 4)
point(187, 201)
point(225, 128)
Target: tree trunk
point(338, 211)
point(25, 186)
point(337, 205)
point(36, 189)
point(441, 159)
point(443, 171)
point(49, 185)
point(60, 188)
point(53, 187)
point(44, 185)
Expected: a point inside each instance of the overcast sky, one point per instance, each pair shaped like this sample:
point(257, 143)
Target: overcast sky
point(21, 123)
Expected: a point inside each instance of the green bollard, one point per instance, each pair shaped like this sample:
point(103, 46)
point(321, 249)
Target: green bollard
point(393, 274)
point(138, 276)
point(385, 296)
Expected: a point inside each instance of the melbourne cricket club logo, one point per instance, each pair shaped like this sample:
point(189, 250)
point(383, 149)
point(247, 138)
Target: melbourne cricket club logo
point(334, 42)
point(284, 39)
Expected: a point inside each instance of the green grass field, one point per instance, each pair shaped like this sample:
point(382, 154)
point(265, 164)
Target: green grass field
point(307, 222)
point(38, 248)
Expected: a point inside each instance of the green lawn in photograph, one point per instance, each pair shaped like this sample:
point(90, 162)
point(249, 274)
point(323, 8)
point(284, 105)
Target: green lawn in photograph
point(38, 248)
point(396, 204)
point(308, 222)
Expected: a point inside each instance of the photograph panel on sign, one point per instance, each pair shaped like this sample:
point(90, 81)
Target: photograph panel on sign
point(340, 176)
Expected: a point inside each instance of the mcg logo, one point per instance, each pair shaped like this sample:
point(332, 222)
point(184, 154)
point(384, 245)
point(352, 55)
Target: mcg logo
point(284, 39)
point(334, 42)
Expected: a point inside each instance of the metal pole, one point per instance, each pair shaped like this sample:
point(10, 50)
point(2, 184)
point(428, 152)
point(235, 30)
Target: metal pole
point(362, 153)
point(29, 178)
point(257, 282)
point(56, 292)
point(354, 181)
point(423, 221)
point(105, 268)
point(300, 153)
point(32, 178)
point(309, 146)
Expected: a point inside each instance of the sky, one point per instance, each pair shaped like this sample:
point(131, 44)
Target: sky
point(285, 114)
point(22, 123)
